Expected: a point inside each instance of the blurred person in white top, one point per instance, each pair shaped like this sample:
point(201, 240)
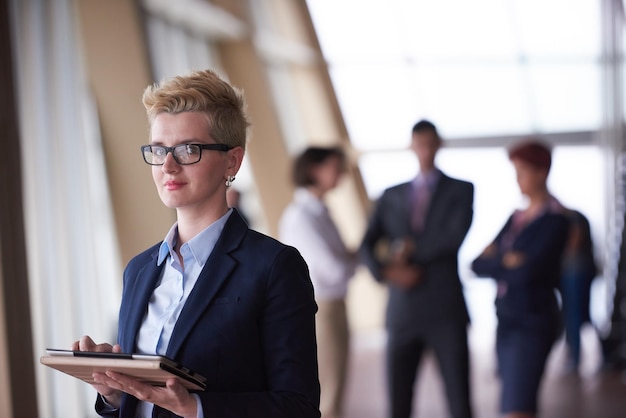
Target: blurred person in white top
point(307, 225)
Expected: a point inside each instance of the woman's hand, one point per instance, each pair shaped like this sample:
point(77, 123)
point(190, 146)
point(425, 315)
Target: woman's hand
point(174, 396)
point(112, 395)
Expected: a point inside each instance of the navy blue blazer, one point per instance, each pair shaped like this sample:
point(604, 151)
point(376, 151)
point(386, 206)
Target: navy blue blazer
point(248, 327)
point(435, 248)
point(530, 288)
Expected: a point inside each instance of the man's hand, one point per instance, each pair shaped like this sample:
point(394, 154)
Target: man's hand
point(403, 275)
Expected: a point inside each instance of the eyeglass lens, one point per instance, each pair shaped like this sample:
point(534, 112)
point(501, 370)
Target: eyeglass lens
point(183, 154)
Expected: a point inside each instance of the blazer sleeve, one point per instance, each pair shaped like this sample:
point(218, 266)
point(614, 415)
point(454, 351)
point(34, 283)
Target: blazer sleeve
point(489, 264)
point(542, 250)
point(542, 247)
point(374, 233)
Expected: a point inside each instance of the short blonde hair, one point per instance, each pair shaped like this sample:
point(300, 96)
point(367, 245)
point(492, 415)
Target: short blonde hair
point(205, 92)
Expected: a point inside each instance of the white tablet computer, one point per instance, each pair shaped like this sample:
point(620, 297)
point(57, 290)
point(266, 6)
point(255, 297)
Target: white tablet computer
point(151, 369)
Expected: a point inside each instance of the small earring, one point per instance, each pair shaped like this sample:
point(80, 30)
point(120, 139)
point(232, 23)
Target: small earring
point(229, 180)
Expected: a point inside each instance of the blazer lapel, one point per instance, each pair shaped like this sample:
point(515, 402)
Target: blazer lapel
point(405, 204)
point(435, 197)
point(215, 273)
point(144, 286)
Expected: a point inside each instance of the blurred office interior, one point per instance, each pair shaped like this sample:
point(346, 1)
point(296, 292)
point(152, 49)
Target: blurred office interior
point(77, 202)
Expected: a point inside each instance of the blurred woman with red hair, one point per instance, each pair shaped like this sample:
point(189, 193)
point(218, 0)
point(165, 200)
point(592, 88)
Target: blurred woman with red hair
point(525, 260)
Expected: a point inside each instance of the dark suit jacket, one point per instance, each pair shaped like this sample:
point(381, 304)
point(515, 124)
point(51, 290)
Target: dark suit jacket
point(440, 296)
point(248, 326)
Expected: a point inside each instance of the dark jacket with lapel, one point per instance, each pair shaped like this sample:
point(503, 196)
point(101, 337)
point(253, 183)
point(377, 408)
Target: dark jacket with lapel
point(248, 326)
point(440, 296)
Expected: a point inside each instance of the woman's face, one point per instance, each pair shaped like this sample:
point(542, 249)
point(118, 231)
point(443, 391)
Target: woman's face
point(529, 178)
point(198, 185)
point(328, 173)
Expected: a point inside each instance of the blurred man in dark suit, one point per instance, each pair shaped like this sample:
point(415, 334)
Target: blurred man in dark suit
point(421, 224)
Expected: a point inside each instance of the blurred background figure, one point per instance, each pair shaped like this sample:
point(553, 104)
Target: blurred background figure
point(233, 197)
point(307, 225)
point(525, 260)
point(579, 270)
point(423, 223)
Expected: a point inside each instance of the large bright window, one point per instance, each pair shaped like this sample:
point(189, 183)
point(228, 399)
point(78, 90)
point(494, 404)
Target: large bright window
point(485, 72)
point(480, 68)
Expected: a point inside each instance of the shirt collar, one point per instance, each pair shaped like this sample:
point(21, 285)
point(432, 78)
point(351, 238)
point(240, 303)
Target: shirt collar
point(200, 246)
point(429, 177)
point(552, 205)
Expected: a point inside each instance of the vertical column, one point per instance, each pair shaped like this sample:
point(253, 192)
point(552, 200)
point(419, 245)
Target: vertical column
point(17, 376)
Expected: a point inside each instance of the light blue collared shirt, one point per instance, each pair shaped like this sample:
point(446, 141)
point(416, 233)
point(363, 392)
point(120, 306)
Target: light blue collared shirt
point(172, 291)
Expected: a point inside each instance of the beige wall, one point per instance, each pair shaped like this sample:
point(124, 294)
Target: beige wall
point(266, 151)
point(118, 68)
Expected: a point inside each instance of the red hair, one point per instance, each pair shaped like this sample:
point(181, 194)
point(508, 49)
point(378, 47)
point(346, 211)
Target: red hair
point(533, 152)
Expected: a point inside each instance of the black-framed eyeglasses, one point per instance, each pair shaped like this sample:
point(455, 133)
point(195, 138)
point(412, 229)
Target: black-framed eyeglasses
point(184, 154)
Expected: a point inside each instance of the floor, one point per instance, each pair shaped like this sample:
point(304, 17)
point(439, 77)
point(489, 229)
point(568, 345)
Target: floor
point(593, 394)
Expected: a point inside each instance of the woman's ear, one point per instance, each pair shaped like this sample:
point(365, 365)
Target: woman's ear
point(235, 158)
